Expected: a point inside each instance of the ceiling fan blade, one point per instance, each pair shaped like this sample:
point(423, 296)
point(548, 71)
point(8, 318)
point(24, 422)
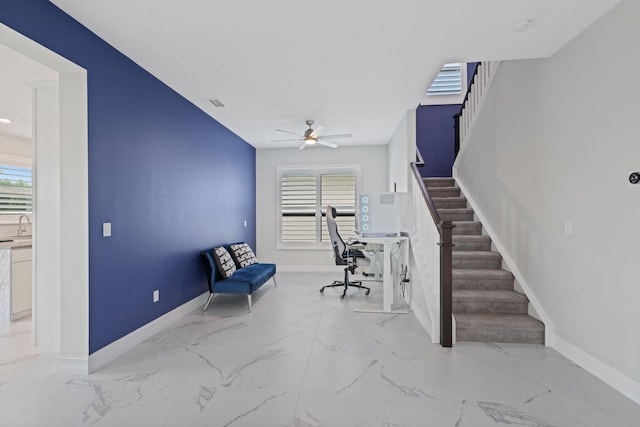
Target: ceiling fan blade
point(338, 135)
point(318, 130)
point(286, 131)
point(303, 146)
point(327, 144)
point(286, 140)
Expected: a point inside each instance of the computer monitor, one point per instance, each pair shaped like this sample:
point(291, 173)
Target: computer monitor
point(384, 214)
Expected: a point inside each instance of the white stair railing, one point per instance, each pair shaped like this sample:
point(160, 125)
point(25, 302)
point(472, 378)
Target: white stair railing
point(425, 259)
point(473, 101)
point(431, 243)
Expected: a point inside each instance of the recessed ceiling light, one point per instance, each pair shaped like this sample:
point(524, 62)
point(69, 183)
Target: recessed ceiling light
point(5, 121)
point(216, 102)
point(523, 25)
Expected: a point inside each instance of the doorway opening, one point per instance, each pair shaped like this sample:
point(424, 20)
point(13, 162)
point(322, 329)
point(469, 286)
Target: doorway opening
point(60, 316)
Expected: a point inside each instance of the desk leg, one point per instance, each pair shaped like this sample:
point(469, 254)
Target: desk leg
point(387, 286)
point(387, 279)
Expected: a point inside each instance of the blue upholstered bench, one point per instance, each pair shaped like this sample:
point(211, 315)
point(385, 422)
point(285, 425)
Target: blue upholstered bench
point(244, 281)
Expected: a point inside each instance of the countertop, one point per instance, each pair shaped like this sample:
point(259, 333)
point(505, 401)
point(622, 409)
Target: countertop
point(15, 242)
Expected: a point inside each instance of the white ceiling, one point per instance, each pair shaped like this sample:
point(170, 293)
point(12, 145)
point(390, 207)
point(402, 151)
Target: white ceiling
point(353, 65)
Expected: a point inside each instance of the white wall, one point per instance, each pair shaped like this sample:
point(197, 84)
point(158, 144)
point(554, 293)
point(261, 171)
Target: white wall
point(15, 146)
point(373, 164)
point(555, 142)
point(401, 151)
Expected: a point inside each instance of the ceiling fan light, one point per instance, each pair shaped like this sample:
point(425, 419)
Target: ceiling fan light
point(310, 141)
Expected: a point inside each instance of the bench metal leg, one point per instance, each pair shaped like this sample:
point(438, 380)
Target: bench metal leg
point(208, 301)
point(274, 281)
point(249, 300)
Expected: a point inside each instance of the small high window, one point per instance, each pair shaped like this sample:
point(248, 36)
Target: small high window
point(15, 190)
point(449, 86)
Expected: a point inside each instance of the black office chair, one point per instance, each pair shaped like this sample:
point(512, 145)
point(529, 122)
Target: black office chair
point(346, 255)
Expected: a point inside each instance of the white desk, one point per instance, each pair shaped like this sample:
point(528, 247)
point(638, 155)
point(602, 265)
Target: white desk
point(387, 277)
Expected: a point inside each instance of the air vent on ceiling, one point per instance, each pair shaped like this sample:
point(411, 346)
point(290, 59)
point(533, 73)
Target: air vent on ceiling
point(216, 102)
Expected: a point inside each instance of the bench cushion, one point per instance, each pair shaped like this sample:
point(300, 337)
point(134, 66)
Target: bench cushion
point(246, 280)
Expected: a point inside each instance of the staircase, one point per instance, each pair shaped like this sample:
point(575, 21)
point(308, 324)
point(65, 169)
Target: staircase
point(485, 305)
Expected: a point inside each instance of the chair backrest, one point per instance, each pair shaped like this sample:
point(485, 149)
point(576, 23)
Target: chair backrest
point(336, 241)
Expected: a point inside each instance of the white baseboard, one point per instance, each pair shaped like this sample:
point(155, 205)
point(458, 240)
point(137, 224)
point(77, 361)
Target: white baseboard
point(310, 268)
point(424, 320)
point(129, 341)
point(73, 365)
point(533, 300)
point(601, 370)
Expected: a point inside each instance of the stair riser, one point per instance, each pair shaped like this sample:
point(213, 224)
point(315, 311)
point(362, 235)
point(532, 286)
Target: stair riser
point(474, 229)
point(500, 335)
point(456, 216)
point(438, 182)
point(444, 192)
point(483, 284)
point(471, 246)
point(479, 263)
point(452, 203)
point(470, 306)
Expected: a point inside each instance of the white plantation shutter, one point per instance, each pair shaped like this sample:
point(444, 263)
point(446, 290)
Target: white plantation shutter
point(15, 190)
point(304, 196)
point(298, 208)
point(448, 81)
point(339, 191)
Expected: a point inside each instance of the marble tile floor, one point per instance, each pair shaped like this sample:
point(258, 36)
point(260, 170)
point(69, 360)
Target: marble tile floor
point(303, 359)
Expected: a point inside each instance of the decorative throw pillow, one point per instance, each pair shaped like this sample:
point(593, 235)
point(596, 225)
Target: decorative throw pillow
point(223, 260)
point(242, 254)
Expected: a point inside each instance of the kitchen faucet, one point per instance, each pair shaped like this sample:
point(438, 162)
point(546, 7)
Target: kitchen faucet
point(20, 224)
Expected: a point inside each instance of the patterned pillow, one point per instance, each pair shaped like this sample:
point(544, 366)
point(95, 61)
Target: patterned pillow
point(225, 264)
point(242, 254)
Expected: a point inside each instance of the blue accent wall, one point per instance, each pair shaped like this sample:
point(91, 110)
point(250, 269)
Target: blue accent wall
point(170, 179)
point(435, 134)
point(435, 138)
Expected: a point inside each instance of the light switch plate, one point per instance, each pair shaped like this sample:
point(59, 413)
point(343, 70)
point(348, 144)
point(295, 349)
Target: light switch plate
point(156, 295)
point(568, 227)
point(106, 229)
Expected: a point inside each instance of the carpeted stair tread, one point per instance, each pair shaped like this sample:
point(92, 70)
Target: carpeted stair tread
point(444, 192)
point(489, 301)
point(476, 259)
point(490, 295)
point(506, 328)
point(456, 214)
point(482, 278)
point(471, 243)
point(449, 202)
point(467, 228)
point(438, 182)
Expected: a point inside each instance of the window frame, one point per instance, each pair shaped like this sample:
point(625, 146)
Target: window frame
point(316, 171)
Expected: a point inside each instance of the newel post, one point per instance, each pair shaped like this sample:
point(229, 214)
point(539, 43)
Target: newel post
point(446, 284)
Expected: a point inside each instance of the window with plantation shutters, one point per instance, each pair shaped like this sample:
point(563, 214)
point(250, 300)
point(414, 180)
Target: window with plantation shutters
point(15, 190)
point(449, 86)
point(448, 81)
point(304, 196)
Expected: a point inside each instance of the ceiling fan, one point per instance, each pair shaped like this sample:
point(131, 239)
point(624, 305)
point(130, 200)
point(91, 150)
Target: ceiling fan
point(313, 136)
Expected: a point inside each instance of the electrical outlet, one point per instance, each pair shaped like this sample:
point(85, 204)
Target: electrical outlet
point(245, 222)
point(106, 229)
point(156, 295)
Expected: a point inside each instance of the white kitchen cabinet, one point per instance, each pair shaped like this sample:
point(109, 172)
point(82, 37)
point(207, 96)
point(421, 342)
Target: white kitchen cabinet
point(21, 261)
